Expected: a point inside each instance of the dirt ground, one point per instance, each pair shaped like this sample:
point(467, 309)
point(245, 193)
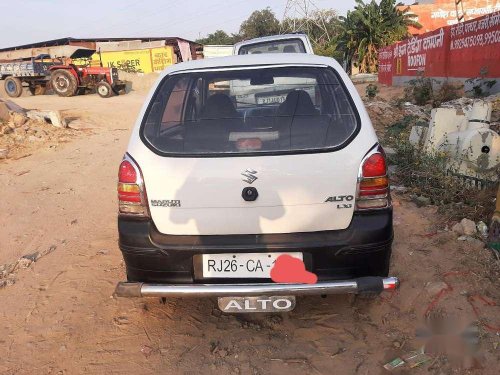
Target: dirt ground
point(59, 316)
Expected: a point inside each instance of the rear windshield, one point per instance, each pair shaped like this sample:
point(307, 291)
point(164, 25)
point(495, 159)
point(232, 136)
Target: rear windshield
point(265, 110)
point(278, 46)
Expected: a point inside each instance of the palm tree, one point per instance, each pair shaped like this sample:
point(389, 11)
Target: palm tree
point(347, 39)
point(397, 20)
point(369, 27)
point(370, 34)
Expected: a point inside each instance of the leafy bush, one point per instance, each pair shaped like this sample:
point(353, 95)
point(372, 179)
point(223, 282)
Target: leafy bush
point(371, 91)
point(419, 90)
point(445, 93)
point(404, 125)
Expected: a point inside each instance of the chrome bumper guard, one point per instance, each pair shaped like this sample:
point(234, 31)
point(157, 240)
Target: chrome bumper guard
point(362, 285)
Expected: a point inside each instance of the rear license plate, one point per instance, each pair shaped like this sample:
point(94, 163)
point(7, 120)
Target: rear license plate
point(256, 304)
point(242, 265)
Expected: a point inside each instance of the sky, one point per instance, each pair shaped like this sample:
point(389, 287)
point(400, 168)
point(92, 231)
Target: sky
point(39, 20)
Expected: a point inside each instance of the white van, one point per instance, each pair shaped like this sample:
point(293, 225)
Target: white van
point(216, 191)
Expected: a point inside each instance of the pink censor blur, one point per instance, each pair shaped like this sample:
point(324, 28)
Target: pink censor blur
point(288, 269)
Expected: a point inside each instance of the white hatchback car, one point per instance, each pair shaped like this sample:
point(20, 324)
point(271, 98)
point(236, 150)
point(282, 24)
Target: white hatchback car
point(237, 161)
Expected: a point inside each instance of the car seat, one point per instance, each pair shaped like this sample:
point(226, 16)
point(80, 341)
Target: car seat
point(289, 49)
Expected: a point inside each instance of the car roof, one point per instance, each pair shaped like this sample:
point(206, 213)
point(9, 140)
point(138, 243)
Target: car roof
point(272, 38)
point(253, 60)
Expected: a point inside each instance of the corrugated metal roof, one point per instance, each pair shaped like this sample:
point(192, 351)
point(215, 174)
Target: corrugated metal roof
point(65, 41)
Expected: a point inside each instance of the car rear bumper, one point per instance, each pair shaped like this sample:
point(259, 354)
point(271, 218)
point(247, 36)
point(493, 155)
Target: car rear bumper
point(355, 286)
point(363, 249)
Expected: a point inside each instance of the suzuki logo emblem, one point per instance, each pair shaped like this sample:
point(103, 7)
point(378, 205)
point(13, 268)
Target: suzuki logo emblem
point(250, 176)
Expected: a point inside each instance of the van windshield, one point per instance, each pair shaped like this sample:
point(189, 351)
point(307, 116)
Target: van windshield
point(264, 110)
point(276, 46)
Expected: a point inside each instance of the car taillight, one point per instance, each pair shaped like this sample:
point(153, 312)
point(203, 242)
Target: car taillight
point(132, 199)
point(373, 183)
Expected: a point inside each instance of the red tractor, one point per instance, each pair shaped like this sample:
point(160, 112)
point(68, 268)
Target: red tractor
point(61, 75)
point(68, 80)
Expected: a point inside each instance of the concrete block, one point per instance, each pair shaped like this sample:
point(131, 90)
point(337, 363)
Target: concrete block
point(418, 134)
point(443, 121)
point(52, 117)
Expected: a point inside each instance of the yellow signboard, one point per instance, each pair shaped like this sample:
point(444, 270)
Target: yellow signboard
point(136, 61)
point(162, 57)
point(133, 61)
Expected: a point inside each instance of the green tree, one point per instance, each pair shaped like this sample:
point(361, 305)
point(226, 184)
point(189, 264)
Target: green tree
point(322, 28)
point(260, 23)
point(217, 37)
point(369, 27)
point(397, 20)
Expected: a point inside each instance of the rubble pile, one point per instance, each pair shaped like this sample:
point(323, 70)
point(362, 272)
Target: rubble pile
point(385, 113)
point(23, 131)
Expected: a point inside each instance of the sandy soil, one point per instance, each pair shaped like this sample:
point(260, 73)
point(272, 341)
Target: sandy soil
point(59, 316)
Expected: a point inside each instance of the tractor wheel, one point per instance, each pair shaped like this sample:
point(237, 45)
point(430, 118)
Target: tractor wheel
point(38, 89)
point(63, 83)
point(13, 87)
point(104, 89)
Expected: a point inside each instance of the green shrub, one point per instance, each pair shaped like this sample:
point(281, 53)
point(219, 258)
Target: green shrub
point(445, 93)
point(419, 90)
point(371, 91)
point(404, 125)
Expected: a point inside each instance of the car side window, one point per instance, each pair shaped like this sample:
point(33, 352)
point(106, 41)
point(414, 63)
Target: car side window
point(173, 113)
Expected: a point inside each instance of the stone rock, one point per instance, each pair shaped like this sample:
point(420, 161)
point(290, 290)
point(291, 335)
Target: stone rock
point(7, 282)
point(4, 153)
point(6, 129)
point(24, 263)
point(53, 117)
point(434, 287)
point(389, 151)
point(469, 227)
point(473, 242)
point(422, 201)
point(18, 119)
point(399, 189)
point(458, 229)
point(33, 257)
point(482, 228)
point(4, 112)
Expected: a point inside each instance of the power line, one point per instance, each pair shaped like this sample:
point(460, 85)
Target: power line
point(304, 16)
point(196, 15)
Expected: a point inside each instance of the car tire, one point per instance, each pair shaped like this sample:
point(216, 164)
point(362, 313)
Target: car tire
point(13, 87)
point(63, 83)
point(38, 89)
point(104, 89)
